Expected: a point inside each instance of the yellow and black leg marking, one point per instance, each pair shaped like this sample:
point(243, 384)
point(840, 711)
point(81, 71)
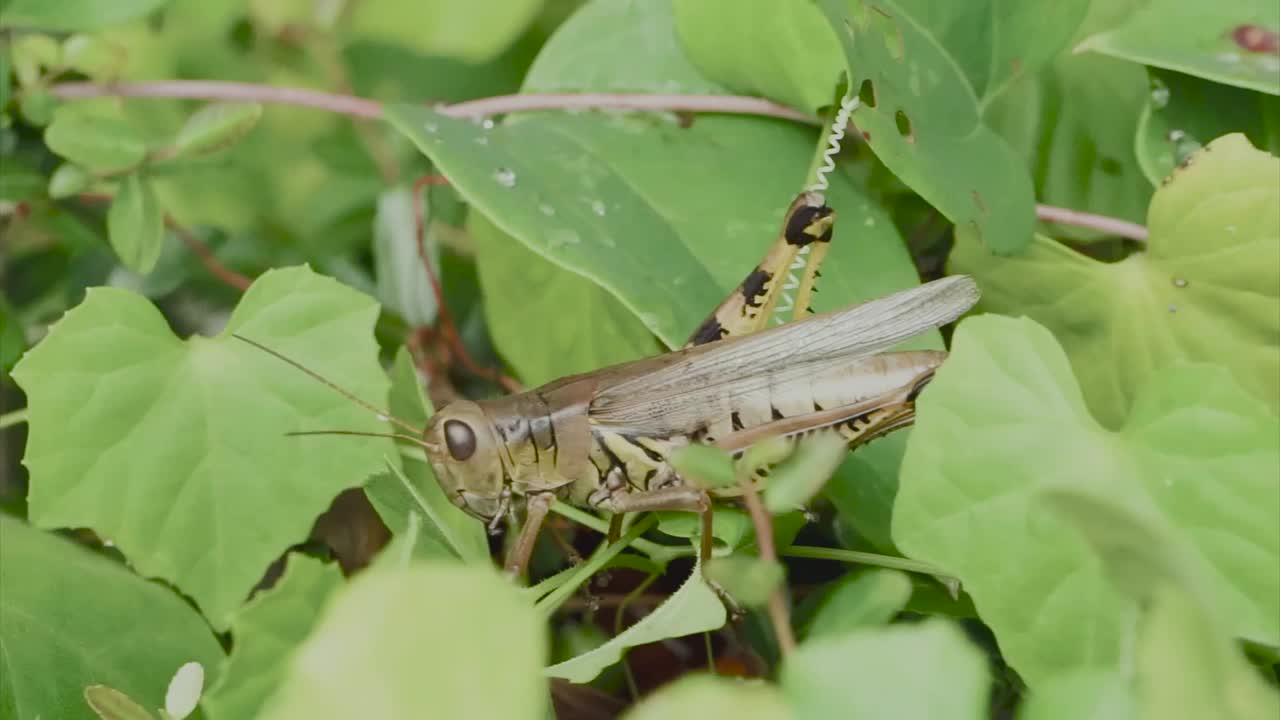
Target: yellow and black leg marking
point(800, 247)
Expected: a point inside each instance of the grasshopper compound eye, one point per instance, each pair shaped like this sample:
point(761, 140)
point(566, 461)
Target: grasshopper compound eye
point(460, 439)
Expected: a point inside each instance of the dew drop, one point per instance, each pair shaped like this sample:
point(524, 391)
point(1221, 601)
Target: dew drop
point(108, 543)
point(1172, 308)
point(598, 208)
point(506, 177)
point(482, 140)
point(382, 418)
point(1229, 57)
point(1180, 282)
point(1176, 135)
point(869, 222)
point(1159, 94)
point(487, 123)
point(546, 209)
point(430, 127)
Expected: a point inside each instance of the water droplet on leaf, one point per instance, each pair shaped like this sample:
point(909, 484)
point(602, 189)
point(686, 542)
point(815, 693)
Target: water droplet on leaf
point(546, 209)
point(1159, 94)
point(1179, 282)
point(506, 177)
point(598, 208)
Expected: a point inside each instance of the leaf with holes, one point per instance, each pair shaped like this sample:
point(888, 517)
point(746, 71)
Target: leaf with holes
point(1004, 420)
point(190, 436)
point(1233, 42)
point(73, 618)
point(1207, 288)
point(920, 116)
point(267, 631)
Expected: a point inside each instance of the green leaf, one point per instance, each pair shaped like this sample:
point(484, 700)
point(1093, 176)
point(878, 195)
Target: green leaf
point(68, 180)
point(72, 15)
point(1187, 664)
point(704, 465)
point(1187, 668)
point(730, 527)
point(1208, 40)
point(927, 670)
point(403, 285)
point(780, 50)
point(527, 307)
point(193, 433)
point(216, 126)
point(396, 493)
point(750, 580)
point(1073, 124)
point(921, 118)
point(474, 32)
point(570, 189)
point(425, 641)
point(801, 476)
point(858, 600)
point(694, 608)
point(696, 697)
point(1184, 112)
point(863, 487)
point(1205, 290)
point(591, 48)
point(135, 224)
point(111, 704)
point(13, 339)
point(114, 629)
point(1094, 694)
point(99, 142)
point(1004, 419)
point(266, 633)
point(996, 43)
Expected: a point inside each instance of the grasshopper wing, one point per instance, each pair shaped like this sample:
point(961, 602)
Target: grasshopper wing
point(828, 355)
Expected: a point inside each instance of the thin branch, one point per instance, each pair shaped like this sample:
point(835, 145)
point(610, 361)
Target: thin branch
point(210, 261)
point(503, 104)
point(484, 107)
point(1101, 223)
point(207, 258)
point(779, 615)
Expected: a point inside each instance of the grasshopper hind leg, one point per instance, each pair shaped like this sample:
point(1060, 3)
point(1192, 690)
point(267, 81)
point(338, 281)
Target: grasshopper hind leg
point(802, 242)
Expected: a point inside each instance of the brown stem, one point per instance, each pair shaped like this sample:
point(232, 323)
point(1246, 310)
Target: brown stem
point(447, 327)
point(1101, 223)
point(207, 258)
point(779, 614)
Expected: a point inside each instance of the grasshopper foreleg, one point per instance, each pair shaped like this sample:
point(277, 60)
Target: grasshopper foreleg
point(537, 507)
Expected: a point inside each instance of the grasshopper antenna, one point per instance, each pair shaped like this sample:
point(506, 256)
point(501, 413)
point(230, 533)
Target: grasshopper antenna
point(398, 436)
point(382, 414)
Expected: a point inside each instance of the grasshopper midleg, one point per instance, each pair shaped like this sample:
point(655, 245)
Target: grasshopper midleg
point(603, 439)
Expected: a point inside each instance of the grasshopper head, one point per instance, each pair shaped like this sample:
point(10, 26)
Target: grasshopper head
point(463, 452)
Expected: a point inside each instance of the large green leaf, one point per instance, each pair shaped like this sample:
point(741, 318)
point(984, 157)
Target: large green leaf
point(696, 697)
point(781, 49)
point(1185, 112)
point(551, 321)
point(921, 117)
point(1074, 124)
point(859, 599)
point(71, 619)
point(266, 632)
point(1205, 289)
point(919, 671)
point(641, 206)
point(176, 451)
point(1004, 418)
point(998, 42)
point(1207, 40)
point(96, 141)
point(430, 640)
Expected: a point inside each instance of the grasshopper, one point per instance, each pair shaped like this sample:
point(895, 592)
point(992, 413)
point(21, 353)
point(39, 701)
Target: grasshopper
point(603, 439)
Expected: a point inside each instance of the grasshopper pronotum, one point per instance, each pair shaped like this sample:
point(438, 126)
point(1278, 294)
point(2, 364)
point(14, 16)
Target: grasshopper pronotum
point(603, 439)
